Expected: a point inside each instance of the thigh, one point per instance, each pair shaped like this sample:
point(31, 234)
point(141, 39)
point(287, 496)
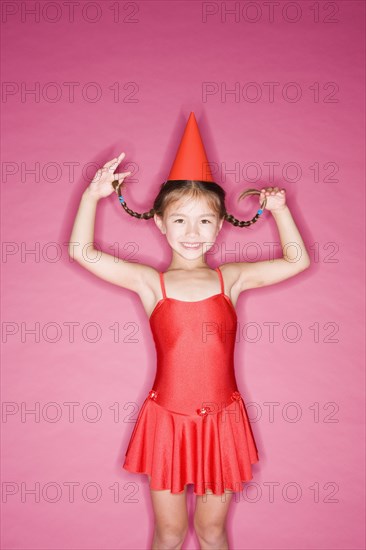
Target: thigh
point(212, 509)
point(170, 509)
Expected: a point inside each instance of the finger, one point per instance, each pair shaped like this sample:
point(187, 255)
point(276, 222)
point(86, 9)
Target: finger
point(121, 175)
point(113, 166)
point(114, 162)
point(120, 178)
point(110, 163)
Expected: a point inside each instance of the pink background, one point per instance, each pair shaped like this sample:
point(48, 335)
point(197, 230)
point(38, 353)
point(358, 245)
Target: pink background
point(168, 51)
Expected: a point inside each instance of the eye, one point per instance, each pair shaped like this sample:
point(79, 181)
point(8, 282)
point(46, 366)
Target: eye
point(181, 220)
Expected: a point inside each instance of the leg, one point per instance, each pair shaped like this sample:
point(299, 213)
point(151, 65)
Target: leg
point(171, 519)
point(210, 518)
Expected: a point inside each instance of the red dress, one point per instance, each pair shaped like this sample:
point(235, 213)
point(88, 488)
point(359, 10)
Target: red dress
point(193, 425)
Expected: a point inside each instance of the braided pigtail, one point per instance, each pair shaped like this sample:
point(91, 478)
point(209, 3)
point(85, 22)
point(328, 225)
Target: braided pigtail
point(241, 223)
point(143, 216)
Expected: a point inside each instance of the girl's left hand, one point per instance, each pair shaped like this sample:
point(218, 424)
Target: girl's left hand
point(276, 198)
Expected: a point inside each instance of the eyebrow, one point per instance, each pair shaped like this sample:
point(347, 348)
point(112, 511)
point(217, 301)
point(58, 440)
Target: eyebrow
point(184, 216)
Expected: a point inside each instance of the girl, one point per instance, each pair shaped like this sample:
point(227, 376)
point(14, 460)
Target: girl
point(193, 426)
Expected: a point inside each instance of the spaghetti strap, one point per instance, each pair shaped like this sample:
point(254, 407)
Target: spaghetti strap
point(162, 284)
point(221, 279)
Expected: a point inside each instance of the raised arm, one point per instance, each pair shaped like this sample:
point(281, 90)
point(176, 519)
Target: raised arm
point(295, 256)
point(81, 246)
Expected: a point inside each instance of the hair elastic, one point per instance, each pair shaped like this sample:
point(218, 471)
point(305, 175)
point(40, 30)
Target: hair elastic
point(116, 185)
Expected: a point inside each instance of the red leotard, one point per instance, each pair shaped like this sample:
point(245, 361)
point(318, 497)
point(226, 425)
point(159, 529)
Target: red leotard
point(193, 426)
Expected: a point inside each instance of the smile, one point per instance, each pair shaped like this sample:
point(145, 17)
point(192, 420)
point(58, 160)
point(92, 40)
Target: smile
point(191, 245)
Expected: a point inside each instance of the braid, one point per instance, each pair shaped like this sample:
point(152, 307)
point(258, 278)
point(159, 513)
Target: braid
point(143, 216)
point(241, 223)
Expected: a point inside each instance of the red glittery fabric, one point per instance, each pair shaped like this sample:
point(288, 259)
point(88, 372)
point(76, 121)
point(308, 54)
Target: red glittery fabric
point(193, 426)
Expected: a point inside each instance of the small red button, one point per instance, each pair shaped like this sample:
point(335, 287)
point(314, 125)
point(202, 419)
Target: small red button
point(203, 411)
point(236, 396)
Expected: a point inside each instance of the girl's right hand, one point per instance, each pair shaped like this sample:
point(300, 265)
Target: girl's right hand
point(101, 185)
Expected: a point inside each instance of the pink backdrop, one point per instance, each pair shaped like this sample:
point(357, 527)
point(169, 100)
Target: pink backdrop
point(78, 356)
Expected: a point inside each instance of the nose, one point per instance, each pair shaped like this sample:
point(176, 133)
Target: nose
point(192, 230)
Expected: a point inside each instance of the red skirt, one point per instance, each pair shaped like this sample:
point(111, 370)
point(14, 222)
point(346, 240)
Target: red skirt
point(214, 451)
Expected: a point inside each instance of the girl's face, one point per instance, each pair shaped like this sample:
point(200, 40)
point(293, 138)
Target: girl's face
point(190, 226)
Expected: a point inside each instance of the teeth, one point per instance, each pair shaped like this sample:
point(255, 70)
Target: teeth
point(191, 245)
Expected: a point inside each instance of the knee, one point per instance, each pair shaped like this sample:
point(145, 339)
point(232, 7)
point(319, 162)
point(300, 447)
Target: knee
point(171, 535)
point(210, 531)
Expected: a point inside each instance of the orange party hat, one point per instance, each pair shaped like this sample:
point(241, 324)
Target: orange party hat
point(191, 162)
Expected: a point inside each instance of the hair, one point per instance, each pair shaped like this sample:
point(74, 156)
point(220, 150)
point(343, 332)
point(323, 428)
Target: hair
point(172, 190)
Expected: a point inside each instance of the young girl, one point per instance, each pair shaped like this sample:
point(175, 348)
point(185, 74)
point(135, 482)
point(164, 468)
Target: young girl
point(193, 425)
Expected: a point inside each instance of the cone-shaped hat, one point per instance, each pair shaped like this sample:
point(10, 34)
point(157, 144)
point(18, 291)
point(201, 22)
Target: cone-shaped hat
point(191, 162)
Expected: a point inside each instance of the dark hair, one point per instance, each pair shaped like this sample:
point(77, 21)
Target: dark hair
point(172, 190)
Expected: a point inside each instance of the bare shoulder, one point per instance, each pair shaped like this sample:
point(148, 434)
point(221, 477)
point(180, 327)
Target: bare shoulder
point(149, 281)
point(149, 289)
point(146, 285)
point(231, 275)
point(142, 279)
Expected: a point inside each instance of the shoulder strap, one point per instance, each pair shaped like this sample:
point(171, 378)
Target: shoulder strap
point(221, 280)
point(162, 283)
